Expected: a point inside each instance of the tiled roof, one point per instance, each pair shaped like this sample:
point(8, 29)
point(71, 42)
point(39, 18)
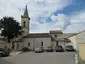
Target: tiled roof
point(66, 35)
point(63, 40)
point(35, 35)
point(56, 32)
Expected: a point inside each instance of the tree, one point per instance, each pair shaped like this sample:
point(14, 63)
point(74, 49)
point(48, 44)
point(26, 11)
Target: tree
point(11, 28)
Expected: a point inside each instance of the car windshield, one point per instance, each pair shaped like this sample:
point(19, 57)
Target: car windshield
point(59, 47)
point(70, 46)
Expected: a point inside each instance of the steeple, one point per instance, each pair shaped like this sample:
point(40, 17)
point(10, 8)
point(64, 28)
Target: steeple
point(26, 12)
point(25, 15)
point(25, 21)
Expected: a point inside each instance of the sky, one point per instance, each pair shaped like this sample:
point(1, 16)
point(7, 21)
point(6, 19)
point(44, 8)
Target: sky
point(46, 15)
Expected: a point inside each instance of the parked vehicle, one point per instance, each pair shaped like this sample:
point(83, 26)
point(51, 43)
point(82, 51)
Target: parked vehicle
point(69, 48)
point(4, 52)
point(38, 50)
point(59, 48)
point(25, 49)
point(49, 49)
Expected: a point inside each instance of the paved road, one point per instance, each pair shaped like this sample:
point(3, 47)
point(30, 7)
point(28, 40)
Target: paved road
point(41, 58)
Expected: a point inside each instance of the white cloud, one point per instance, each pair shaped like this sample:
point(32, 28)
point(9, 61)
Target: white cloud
point(77, 22)
point(44, 9)
point(78, 17)
point(61, 23)
point(61, 20)
point(37, 8)
point(75, 28)
point(73, 23)
point(53, 17)
point(45, 27)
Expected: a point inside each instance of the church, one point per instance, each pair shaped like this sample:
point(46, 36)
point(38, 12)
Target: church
point(37, 40)
point(34, 40)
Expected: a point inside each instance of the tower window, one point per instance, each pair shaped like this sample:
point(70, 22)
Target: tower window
point(24, 24)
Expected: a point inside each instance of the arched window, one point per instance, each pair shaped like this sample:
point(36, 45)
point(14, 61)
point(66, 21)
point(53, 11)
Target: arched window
point(24, 24)
point(28, 44)
point(41, 43)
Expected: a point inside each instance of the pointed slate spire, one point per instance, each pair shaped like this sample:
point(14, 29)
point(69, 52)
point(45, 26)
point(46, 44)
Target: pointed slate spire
point(25, 15)
point(26, 12)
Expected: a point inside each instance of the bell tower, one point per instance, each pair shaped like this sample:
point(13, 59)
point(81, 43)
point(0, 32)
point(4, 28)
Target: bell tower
point(25, 20)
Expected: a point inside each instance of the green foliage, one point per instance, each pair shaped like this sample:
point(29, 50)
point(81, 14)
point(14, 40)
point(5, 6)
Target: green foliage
point(11, 28)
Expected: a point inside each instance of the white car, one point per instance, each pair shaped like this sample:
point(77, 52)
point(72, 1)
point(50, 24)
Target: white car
point(38, 50)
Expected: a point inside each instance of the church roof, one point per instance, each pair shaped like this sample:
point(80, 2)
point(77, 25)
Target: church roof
point(66, 35)
point(63, 40)
point(56, 32)
point(36, 35)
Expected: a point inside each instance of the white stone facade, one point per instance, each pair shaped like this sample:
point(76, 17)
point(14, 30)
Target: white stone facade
point(76, 39)
point(36, 42)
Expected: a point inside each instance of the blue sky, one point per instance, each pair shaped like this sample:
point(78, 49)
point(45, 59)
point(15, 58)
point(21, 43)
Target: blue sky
point(77, 5)
point(46, 15)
